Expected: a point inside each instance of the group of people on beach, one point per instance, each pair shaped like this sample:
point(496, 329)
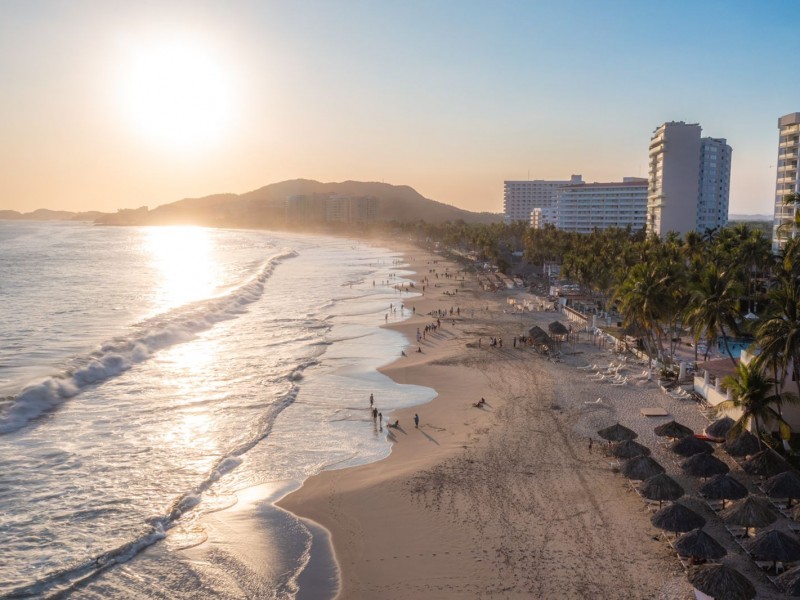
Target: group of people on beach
point(377, 417)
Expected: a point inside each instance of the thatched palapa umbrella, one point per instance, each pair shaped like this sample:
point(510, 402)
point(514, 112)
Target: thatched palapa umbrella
point(641, 468)
point(673, 429)
point(784, 485)
point(721, 582)
point(766, 463)
point(617, 433)
point(661, 487)
point(723, 487)
point(689, 446)
point(789, 582)
point(752, 512)
point(557, 328)
point(539, 337)
point(719, 428)
point(775, 546)
point(704, 465)
point(629, 449)
point(746, 443)
point(699, 544)
point(677, 518)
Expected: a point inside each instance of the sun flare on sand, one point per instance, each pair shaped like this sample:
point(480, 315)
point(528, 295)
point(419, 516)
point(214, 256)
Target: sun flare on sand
point(176, 91)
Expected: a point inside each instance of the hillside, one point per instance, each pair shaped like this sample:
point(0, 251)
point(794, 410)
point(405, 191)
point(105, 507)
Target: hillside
point(264, 207)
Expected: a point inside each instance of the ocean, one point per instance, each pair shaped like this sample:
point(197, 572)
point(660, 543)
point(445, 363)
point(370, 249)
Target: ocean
point(152, 378)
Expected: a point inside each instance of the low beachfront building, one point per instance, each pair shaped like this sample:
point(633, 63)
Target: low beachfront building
point(708, 383)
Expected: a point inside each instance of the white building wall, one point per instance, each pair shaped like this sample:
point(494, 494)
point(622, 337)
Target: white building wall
point(583, 208)
point(674, 174)
point(786, 180)
point(715, 184)
point(521, 197)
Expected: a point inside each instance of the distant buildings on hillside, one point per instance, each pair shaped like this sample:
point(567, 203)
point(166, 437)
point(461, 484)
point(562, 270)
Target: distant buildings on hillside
point(688, 189)
point(786, 181)
point(331, 208)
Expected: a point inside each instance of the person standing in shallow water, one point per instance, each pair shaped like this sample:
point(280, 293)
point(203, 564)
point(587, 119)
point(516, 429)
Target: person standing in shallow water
point(371, 400)
point(416, 420)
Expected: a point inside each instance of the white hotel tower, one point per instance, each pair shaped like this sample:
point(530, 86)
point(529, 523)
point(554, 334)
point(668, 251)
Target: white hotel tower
point(786, 181)
point(521, 197)
point(689, 182)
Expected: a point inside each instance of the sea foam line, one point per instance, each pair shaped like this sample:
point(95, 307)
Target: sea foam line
point(72, 578)
point(118, 355)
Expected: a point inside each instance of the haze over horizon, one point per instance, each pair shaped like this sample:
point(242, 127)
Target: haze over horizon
point(109, 106)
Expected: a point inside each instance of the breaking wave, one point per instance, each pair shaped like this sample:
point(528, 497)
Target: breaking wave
point(120, 354)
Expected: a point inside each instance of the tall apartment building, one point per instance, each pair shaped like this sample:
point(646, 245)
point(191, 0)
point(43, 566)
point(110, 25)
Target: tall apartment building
point(715, 184)
point(521, 197)
point(332, 208)
point(786, 181)
point(689, 180)
point(585, 207)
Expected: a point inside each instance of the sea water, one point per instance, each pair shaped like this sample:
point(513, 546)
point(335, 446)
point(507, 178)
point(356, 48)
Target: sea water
point(152, 376)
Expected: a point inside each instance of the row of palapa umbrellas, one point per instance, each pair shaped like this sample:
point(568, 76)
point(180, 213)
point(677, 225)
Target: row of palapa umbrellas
point(717, 580)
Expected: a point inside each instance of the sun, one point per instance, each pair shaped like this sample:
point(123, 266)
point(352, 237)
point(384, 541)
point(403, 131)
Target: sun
point(176, 92)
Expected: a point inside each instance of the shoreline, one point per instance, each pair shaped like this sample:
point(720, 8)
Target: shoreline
point(508, 500)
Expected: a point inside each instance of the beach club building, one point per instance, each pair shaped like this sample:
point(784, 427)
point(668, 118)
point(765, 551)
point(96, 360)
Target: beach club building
point(708, 383)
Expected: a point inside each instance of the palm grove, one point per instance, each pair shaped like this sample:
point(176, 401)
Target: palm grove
point(702, 286)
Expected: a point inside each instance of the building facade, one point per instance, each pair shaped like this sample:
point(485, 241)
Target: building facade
point(715, 184)
point(584, 207)
point(689, 180)
point(332, 208)
point(521, 197)
point(786, 181)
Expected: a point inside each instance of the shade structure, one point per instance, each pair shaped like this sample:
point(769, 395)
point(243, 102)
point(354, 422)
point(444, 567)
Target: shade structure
point(723, 487)
point(661, 487)
point(677, 518)
point(774, 545)
point(753, 511)
point(704, 465)
point(720, 428)
point(673, 429)
point(689, 446)
point(557, 328)
point(721, 582)
point(629, 449)
point(746, 443)
point(699, 544)
point(641, 467)
point(789, 582)
point(766, 463)
point(617, 433)
point(539, 336)
point(783, 485)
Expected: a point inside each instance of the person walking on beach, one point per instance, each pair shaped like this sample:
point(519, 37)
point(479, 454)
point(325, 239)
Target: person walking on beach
point(371, 400)
point(416, 421)
point(591, 441)
point(374, 413)
point(380, 421)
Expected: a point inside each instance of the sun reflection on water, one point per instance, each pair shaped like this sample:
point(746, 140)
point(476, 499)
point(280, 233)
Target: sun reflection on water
point(185, 259)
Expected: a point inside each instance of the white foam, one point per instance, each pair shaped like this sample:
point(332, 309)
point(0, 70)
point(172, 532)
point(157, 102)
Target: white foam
point(117, 356)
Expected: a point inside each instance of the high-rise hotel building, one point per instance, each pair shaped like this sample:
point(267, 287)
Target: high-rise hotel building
point(786, 181)
point(689, 180)
point(521, 197)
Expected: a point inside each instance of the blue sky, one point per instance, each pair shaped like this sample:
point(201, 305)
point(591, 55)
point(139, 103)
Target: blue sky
point(450, 98)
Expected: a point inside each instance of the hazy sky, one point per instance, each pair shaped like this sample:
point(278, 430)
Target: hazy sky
point(114, 104)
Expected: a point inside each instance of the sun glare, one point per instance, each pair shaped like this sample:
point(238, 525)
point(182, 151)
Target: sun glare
point(177, 92)
point(184, 259)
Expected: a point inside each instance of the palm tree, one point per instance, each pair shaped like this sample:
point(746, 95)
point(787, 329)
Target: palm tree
point(778, 335)
point(754, 394)
point(715, 306)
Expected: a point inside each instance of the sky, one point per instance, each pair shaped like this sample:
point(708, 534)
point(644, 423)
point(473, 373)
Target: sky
point(110, 104)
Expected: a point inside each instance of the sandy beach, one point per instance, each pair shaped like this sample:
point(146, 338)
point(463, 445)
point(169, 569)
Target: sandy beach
point(507, 500)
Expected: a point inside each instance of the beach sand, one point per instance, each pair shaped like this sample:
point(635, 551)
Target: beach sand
point(504, 501)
